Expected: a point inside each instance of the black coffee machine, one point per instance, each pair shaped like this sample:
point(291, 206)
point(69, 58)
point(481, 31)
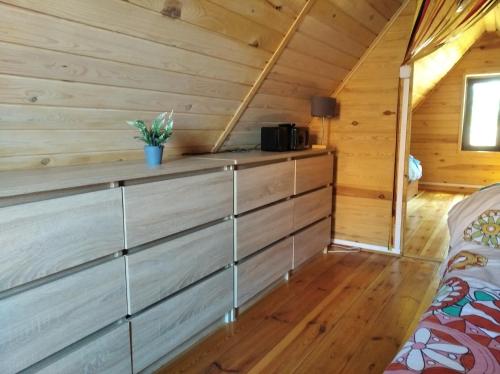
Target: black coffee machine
point(284, 137)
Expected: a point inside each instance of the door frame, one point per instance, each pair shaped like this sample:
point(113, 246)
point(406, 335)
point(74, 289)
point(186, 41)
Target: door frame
point(403, 152)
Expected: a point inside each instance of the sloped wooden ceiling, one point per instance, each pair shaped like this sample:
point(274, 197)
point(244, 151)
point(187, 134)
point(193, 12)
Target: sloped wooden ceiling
point(327, 44)
point(72, 72)
point(492, 20)
point(429, 70)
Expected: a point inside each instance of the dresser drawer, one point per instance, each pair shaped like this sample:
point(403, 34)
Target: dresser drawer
point(311, 241)
point(313, 172)
point(261, 270)
point(258, 229)
point(312, 207)
point(261, 185)
point(41, 238)
point(161, 329)
point(161, 270)
point(107, 353)
point(47, 318)
point(158, 209)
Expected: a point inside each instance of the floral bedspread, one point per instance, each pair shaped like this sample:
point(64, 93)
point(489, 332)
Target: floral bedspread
point(460, 331)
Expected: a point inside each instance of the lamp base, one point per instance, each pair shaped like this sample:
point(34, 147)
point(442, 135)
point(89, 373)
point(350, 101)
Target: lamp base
point(318, 146)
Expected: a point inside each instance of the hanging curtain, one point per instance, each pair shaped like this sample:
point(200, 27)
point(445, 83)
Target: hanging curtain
point(439, 21)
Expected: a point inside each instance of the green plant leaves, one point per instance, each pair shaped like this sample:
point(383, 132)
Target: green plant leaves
point(161, 129)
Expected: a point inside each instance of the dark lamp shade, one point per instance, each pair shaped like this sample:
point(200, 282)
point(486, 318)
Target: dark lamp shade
point(322, 106)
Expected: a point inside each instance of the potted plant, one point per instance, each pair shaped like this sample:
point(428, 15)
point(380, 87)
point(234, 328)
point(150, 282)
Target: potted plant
point(154, 136)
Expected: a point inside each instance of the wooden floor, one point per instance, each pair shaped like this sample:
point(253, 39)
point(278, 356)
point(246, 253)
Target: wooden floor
point(426, 224)
point(341, 313)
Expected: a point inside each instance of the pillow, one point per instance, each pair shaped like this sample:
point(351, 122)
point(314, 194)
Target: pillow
point(485, 229)
point(469, 210)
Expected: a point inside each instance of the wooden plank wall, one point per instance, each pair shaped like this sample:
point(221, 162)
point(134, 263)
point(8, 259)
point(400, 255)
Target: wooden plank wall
point(364, 136)
point(437, 122)
point(325, 47)
point(72, 72)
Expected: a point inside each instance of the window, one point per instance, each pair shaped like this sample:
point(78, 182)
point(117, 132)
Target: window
point(481, 129)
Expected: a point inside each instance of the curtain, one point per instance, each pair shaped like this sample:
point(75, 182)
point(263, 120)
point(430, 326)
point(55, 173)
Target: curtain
point(439, 21)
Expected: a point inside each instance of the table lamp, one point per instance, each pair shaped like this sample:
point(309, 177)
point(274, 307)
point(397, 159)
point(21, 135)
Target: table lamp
point(324, 107)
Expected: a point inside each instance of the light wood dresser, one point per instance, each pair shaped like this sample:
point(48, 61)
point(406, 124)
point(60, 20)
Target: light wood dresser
point(116, 267)
point(91, 254)
point(282, 210)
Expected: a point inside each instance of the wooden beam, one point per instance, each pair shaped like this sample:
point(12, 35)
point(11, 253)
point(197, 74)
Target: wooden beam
point(262, 76)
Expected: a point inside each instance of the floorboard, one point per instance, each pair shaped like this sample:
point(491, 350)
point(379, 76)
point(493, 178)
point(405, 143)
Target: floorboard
point(339, 313)
point(426, 232)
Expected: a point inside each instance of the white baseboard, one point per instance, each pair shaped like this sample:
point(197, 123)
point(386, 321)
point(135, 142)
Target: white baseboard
point(370, 247)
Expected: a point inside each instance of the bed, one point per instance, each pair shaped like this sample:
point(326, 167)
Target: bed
point(414, 174)
point(460, 331)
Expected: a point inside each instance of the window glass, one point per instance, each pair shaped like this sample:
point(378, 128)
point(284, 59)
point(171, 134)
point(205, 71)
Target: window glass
point(481, 117)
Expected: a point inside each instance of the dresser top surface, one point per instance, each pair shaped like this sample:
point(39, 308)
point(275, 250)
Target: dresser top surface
point(250, 157)
point(22, 182)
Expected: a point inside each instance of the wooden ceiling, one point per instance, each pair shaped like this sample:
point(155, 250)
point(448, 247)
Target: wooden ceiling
point(492, 20)
point(72, 72)
point(326, 45)
point(429, 70)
